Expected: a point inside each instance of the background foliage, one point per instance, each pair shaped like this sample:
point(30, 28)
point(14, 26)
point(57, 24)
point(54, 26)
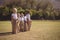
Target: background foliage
point(39, 10)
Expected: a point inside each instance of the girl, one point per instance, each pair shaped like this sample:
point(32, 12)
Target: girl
point(18, 14)
point(22, 22)
point(28, 20)
point(14, 19)
point(25, 23)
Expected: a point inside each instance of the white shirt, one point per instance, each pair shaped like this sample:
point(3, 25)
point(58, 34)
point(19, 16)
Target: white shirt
point(15, 16)
point(28, 16)
point(25, 18)
point(21, 18)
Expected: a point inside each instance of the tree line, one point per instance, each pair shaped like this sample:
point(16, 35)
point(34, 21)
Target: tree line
point(42, 10)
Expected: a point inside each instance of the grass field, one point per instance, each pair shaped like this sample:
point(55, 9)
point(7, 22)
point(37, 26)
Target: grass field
point(40, 30)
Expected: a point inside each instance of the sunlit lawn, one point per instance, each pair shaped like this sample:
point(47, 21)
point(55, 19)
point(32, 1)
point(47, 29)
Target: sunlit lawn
point(5, 26)
point(40, 30)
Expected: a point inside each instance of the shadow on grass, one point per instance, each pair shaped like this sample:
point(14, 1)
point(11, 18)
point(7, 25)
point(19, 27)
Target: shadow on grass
point(9, 33)
point(6, 33)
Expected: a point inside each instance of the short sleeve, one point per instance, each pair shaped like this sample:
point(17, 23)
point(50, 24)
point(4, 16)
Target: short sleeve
point(28, 16)
point(25, 18)
point(11, 14)
point(14, 16)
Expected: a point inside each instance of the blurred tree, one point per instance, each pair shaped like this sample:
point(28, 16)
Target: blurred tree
point(42, 5)
point(40, 11)
point(33, 4)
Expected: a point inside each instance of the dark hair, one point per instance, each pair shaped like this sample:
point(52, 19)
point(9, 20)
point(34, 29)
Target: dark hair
point(27, 11)
point(21, 12)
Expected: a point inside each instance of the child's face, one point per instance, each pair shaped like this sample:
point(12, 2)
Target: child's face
point(18, 14)
point(14, 10)
point(22, 14)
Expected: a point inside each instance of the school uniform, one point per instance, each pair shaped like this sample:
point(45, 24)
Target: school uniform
point(14, 23)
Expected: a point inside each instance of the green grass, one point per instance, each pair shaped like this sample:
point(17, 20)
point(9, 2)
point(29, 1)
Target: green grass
point(5, 26)
point(40, 30)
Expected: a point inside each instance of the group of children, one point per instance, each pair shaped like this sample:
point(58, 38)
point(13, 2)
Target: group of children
point(20, 21)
